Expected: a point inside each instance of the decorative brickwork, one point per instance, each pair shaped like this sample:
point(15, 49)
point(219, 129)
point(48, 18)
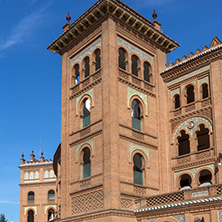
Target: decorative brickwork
point(85, 183)
point(163, 199)
point(139, 190)
point(85, 131)
point(137, 135)
point(219, 189)
point(183, 160)
point(87, 202)
point(203, 155)
point(127, 203)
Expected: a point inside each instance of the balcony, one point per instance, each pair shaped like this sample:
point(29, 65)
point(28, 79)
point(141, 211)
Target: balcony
point(180, 198)
point(85, 84)
point(136, 82)
point(193, 157)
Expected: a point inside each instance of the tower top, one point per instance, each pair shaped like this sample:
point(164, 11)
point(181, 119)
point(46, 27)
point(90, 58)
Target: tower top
point(122, 12)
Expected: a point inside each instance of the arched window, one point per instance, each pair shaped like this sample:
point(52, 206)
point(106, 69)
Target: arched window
point(76, 74)
point(30, 216)
point(184, 143)
point(203, 139)
point(177, 101)
point(51, 195)
point(51, 214)
point(204, 91)
point(86, 170)
point(185, 182)
point(86, 113)
point(205, 178)
point(86, 66)
point(122, 58)
point(135, 65)
point(31, 196)
point(136, 115)
point(190, 94)
point(46, 174)
point(137, 169)
point(97, 59)
point(147, 72)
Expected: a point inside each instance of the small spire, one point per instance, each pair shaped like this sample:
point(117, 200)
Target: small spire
point(22, 155)
point(154, 15)
point(42, 153)
point(32, 152)
point(68, 18)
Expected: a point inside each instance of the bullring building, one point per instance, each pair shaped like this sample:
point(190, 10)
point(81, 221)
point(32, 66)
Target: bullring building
point(139, 141)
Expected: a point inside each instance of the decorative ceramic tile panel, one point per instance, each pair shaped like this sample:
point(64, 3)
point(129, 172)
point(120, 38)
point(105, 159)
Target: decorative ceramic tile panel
point(220, 215)
point(179, 218)
point(132, 92)
point(205, 68)
point(203, 80)
point(193, 171)
point(90, 142)
point(89, 49)
point(175, 91)
point(30, 208)
point(48, 207)
point(133, 147)
point(191, 125)
point(132, 48)
point(90, 93)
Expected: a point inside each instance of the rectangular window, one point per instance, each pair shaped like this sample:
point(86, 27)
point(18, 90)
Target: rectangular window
point(86, 121)
point(136, 124)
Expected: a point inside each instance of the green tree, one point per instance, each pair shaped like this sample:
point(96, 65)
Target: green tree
point(2, 218)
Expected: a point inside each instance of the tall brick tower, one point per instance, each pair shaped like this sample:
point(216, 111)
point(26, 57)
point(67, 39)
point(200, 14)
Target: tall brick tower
point(113, 140)
point(139, 141)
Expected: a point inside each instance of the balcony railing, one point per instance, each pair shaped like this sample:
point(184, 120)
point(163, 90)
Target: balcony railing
point(180, 196)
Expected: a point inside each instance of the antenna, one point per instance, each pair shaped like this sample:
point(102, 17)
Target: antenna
point(40, 144)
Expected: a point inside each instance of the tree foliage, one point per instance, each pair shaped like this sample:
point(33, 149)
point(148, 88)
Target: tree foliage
point(2, 218)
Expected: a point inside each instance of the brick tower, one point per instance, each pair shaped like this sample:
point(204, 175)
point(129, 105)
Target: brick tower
point(122, 132)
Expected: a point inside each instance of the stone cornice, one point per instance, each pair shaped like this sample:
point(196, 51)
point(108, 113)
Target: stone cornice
point(194, 63)
point(119, 10)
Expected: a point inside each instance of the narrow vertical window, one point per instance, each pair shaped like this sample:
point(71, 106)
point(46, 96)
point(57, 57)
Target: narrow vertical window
point(86, 171)
point(190, 94)
point(76, 74)
point(137, 169)
point(184, 143)
point(147, 71)
point(134, 65)
point(30, 216)
point(31, 196)
point(136, 115)
point(51, 195)
point(87, 67)
point(203, 140)
point(51, 214)
point(97, 60)
point(86, 113)
point(122, 59)
point(204, 91)
point(177, 101)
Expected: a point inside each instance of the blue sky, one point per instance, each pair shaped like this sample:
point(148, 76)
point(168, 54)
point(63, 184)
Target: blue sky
point(30, 75)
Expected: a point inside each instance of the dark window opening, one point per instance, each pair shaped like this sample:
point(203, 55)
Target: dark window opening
point(205, 178)
point(134, 65)
point(204, 91)
point(51, 195)
point(30, 216)
point(122, 59)
point(31, 196)
point(177, 101)
point(51, 214)
point(86, 171)
point(190, 94)
point(87, 66)
point(98, 60)
point(77, 79)
point(147, 72)
point(136, 116)
point(137, 169)
point(203, 138)
point(184, 143)
point(86, 113)
point(185, 181)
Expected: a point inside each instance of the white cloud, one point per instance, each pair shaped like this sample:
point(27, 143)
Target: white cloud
point(8, 202)
point(24, 29)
